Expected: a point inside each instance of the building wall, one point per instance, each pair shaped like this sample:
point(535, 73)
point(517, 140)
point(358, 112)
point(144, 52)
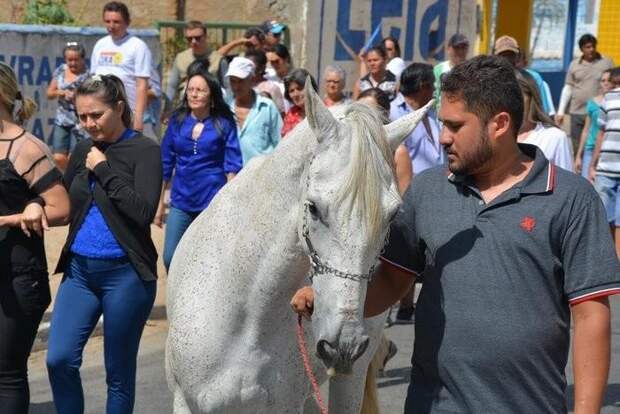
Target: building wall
point(608, 29)
point(88, 12)
point(145, 12)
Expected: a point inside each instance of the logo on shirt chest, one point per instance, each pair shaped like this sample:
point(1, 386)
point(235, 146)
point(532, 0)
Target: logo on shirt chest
point(528, 223)
point(110, 58)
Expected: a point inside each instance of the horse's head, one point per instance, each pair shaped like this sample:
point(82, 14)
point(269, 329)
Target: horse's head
point(349, 196)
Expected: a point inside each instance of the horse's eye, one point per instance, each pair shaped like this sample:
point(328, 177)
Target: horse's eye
point(312, 209)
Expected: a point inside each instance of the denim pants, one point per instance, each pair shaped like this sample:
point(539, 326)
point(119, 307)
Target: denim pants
point(608, 188)
point(585, 162)
point(92, 287)
point(23, 299)
point(178, 221)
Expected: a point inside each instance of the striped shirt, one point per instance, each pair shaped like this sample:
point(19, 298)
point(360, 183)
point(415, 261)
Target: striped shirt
point(609, 121)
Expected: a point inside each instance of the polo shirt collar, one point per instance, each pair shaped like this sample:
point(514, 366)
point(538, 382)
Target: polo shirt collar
point(540, 179)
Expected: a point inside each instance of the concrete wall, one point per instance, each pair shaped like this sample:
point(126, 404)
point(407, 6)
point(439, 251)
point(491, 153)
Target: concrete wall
point(88, 12)
point(422, 27)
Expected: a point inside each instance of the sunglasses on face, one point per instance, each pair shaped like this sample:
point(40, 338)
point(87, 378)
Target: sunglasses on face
point(194, 38)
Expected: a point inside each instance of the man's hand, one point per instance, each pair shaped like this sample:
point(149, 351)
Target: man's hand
point(94, 157)
point(303, 302)
point(33, 219)
point(559, 119)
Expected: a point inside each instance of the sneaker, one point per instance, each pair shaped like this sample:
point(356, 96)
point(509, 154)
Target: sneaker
point(405, 315)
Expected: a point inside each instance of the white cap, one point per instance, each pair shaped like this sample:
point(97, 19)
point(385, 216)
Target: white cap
point(240, 67)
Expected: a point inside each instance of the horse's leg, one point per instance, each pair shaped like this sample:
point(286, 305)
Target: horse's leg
point(311, 406)
point(348, 393)
point(179, 405)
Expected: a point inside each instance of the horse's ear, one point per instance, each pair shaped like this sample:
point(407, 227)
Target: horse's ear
point(400, 129)
point(320, 119)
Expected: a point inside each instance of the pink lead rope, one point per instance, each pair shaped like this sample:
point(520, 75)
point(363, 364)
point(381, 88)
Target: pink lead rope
point(304, 356)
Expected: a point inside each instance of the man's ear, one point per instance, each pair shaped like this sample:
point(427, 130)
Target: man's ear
point(500, 125)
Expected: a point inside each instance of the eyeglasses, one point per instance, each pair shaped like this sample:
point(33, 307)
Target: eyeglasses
point(190, 39)
point(197, 91)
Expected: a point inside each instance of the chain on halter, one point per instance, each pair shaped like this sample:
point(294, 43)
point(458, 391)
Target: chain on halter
point(319, 266)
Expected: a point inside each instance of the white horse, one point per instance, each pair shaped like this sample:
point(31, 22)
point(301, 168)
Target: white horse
point(319, 206)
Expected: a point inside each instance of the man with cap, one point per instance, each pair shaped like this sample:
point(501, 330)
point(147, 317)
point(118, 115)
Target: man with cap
point(508, 48)
point(458, 46)
point(258, 120)
point(273, 32)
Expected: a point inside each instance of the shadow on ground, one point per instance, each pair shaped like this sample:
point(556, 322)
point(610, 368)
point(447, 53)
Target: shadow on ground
point(42, 408)
point(395, 376)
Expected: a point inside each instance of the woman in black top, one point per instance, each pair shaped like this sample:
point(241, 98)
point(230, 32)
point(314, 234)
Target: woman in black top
point(31, 199)
point(378, 75)
point(109, 260)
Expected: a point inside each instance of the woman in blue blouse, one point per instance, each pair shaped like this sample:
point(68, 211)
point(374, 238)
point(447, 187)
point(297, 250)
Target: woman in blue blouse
point(202, 149)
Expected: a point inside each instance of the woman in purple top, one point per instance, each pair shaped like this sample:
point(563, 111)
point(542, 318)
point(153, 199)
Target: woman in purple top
point(202, 149)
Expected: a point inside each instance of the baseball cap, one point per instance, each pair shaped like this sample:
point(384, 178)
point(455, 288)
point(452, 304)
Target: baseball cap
point(240, 67)
point(273, 26)
point(506, 44)
point(457, 40)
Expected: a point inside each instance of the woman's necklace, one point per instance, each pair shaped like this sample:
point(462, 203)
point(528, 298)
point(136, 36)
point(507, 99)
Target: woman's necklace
point(196, 131)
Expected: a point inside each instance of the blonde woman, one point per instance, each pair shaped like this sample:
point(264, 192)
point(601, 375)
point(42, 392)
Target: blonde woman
point(31, 199)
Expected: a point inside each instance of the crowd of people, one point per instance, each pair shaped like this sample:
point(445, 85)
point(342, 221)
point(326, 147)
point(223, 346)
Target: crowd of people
point(106, 172)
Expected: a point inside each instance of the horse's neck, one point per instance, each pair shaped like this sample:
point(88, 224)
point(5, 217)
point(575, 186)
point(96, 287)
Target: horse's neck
point(279, 179)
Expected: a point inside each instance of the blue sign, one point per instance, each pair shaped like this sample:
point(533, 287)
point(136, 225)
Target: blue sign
point(430, 32)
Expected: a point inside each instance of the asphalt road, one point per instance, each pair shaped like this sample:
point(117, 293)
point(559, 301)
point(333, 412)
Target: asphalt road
point(152, 395)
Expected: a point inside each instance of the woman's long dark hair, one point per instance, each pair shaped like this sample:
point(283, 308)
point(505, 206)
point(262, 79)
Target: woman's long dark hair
point(219, 109)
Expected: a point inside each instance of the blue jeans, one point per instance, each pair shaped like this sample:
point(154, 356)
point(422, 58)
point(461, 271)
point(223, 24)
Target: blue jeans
point(586, 160)
point(92, 287)
point(177, 222)
point(609, 190)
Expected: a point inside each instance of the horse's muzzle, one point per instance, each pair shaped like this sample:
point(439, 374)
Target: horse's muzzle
point(342, 356)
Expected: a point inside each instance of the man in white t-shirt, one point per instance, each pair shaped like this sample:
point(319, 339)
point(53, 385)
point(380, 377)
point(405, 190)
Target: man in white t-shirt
point(125, 56)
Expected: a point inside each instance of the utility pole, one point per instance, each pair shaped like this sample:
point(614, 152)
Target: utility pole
point(181, 10)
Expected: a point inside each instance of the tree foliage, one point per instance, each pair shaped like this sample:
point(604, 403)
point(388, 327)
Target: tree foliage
point(48, 12)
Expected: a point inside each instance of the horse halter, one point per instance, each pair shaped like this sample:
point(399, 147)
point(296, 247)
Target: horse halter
point(319, 266)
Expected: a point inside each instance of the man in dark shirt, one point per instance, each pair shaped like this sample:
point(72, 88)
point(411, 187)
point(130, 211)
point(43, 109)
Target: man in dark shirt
point(511, 247)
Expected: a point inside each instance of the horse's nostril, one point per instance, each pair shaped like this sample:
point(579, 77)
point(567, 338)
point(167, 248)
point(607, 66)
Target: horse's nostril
point(325, 350)
point(361, 348)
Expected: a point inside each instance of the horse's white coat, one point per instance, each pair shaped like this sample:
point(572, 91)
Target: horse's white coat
point(231, 345)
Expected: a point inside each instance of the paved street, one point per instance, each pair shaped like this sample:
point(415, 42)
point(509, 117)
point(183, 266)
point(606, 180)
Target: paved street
point(153, 396)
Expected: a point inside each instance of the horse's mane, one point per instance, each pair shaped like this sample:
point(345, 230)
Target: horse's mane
point(371, 161)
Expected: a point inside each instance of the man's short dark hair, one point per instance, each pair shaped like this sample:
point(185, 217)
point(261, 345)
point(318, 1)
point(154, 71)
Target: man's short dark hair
point(258, 56)
point(585, 39)
point(415, 77)
point(280, 50)
point(255, 31)
point(488, 86)
point(196, 24)
point(118, 7)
